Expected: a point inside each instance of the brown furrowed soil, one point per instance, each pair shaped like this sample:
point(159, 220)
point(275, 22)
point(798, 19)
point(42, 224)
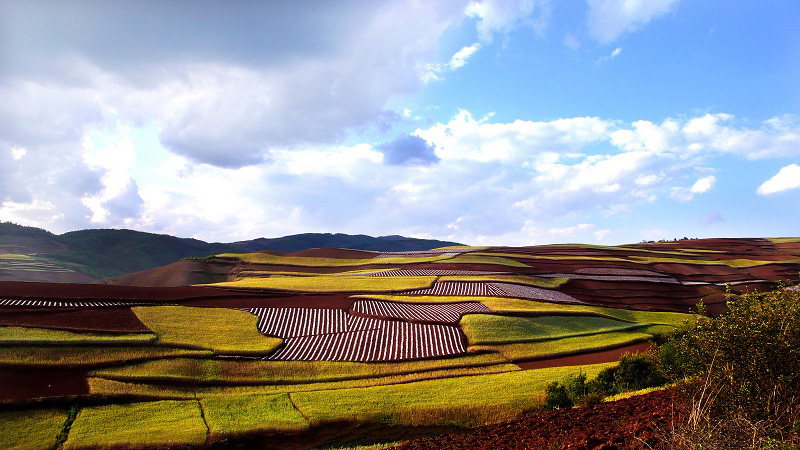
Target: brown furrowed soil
point(121, 320)
point(26, 384)
point(635, 423)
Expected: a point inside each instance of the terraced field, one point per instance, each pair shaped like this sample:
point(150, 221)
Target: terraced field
point(330, 347)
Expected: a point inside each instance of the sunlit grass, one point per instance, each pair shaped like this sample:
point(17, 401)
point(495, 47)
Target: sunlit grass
point(280, 372)
point(467, 401)
point(32, 429)
point(148, 424)
point(332, 283)
point(564, 346)
point(43, 336)
point(736, 263)
point(484, 258)
point(242, 414)
point(494, 329)
point(36, 356)
point(106, 387)
point(225, 331)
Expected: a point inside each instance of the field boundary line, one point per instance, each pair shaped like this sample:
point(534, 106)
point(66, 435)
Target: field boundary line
point(202, 416)
point(294, 405)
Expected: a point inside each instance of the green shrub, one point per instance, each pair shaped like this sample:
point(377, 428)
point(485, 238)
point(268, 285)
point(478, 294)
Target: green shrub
point(557, 396)
point(748, 358)
point(637, 372)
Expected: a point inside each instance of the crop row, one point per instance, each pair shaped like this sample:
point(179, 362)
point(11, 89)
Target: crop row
point(69, 304)
point(494, 289)
point(392, 342)
point(440, 312)
point(428, 272)
point(422, 254)
point(298, 322)
point(577, 276)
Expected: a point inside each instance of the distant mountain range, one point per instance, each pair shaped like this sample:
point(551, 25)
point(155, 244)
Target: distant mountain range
point(34, 254)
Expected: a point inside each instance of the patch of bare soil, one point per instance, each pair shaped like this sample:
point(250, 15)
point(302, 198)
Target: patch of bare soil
point(23, 384)
point(100, 320)
point(602, 356)
point(635, 423)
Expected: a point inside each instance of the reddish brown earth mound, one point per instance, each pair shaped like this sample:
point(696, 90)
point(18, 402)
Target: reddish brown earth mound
point(636, 423)
point(181, 273)
point(332, 301)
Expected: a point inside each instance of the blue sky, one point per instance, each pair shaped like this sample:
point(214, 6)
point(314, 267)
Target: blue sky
point(484, 122)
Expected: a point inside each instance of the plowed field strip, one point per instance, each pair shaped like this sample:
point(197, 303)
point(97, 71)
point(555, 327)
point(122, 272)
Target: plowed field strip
point(577, 276)
point(395, 341)
point(446, 313)
point(298, 322)
point(71, 304)
point(495, 289)
point(425, 254)
point(456, 288)
point(429, 272)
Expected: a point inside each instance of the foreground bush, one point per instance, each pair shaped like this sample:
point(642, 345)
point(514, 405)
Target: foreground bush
point(746, 364)
point(634, 372)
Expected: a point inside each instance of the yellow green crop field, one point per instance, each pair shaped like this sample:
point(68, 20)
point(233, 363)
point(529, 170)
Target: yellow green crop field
point(332, 283)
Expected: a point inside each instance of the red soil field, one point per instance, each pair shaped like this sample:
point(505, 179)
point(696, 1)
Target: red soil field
point(12, 289)
point(602, 356)
point(22, 384)
point(181, 273)
point(275, 300)
point(121, 320)
point(634, 423)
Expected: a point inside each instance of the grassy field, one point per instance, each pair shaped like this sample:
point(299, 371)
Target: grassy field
point(43, 336)
point(224, 331)
point(493, 329)
point(149, 424)
point(466, 401)
point(37, 356)
point(564, 346)
point(31, 430)
point(332, 283)
point(301, 261)
point(102, 386)
point(280, 372)
point(485, 258)
point(236, 415)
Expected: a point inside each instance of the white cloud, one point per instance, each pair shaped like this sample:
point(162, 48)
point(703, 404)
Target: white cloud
point(703, 185)
point(604, 59)
point(609, 19)
point(503, 16)
point(459, 60)
point(787, 178)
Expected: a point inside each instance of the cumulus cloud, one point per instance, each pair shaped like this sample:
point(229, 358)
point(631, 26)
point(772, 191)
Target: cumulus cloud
point(614, 53)
point(226, 84)
point(410, 150)
point(701, 186)
point(459, 60)
point(609, 19)
point(787, 178)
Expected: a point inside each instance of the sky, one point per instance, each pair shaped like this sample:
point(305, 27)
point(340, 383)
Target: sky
point(480, 121)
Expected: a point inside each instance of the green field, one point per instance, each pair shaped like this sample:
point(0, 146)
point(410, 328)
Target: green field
point(213, 371)
point(332, 283)
point(236, 415)
point(42, 336)
point(493, 329)
point(564, 346)
point(31, 429)
point(79, 356)
point(224, 331)
point(149, 424)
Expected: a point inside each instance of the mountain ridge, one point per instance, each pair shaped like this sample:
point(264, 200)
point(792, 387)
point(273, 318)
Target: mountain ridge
point(35, 254)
